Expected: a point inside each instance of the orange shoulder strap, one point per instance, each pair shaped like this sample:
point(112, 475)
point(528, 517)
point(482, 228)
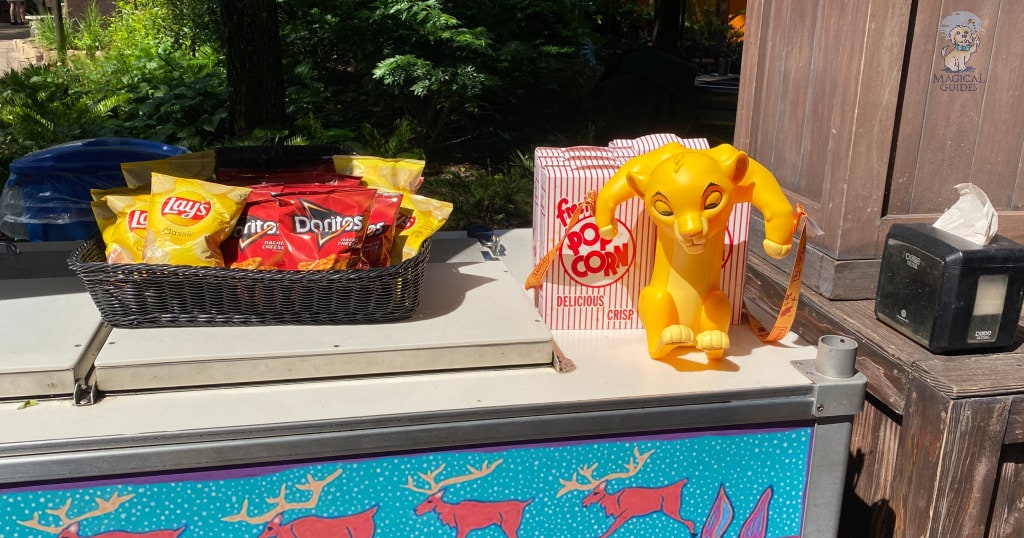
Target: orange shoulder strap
point(537, 275)
point(787, 314)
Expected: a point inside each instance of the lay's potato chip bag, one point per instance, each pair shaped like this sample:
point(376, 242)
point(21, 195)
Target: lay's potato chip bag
point(405, 175)
point(99, 194)
point(418, 219)
point(122, 220)
point(198, 165)
point(188, 220)
point(121, 215)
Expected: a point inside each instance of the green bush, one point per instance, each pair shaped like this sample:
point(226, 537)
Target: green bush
point(500, 197)
point(460, 83)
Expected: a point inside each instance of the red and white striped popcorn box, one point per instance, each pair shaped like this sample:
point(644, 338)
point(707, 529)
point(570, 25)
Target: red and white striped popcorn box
point(594, 283)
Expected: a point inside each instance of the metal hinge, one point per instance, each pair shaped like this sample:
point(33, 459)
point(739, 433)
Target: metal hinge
point(834, 396)
point(494, 247)
point(85, 391)
point(489, 240)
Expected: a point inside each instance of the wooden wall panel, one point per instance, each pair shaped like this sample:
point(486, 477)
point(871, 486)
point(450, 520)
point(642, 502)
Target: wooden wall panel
point(960, 126)
point(821, 96)
point(768, 79)
point(1001, 131)
point(862, 186)
point(749, 98)
point(788, 130)
point(825, 115)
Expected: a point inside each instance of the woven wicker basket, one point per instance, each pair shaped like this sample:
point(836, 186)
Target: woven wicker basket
point(147, 295)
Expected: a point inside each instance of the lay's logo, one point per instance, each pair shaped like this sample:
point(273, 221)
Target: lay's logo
point(137, 219)
point(182, 209)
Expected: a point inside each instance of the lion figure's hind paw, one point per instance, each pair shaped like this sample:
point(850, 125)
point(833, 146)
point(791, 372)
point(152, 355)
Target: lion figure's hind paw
point(676, 335)
point(712, 340)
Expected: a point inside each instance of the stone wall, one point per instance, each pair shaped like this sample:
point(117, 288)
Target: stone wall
point(75, 8)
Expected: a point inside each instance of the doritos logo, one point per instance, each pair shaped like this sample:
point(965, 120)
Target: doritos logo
point(323, 223)
point(256, 229)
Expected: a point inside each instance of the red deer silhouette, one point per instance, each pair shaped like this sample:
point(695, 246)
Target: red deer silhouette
point(72, 532)
point(69, 525)
point(355, 526)
point(468, 516)
point(628, 503)
point(359, 525)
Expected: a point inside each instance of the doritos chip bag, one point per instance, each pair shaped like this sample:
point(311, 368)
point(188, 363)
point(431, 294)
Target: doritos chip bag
point(256, 242)
point(318, 172)
point(325, 231)
point(188, 220)
point(380, 234)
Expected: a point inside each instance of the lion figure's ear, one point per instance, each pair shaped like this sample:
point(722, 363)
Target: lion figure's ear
point(637, 182)
point(736, 165)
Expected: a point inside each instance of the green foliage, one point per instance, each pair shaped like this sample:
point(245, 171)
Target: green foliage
point(88, 33)
point(140, 26)
point(499, 197)
point(151, 92)
point(433, 65)
point(705, 35)
point(45, 31)
point(43, 106)
point(397, 144)
point(460, 83)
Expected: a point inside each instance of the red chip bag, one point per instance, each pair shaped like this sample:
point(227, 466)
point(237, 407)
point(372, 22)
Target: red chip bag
point(265, 191)
point(256, 242)
point(380, 234)
point(249, 176)
point(324, 231)
point(345, 183)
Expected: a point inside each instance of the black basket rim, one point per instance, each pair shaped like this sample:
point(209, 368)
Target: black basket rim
point(78, 265)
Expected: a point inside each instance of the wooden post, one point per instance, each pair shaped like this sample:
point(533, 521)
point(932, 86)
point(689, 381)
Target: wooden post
point(947, 462)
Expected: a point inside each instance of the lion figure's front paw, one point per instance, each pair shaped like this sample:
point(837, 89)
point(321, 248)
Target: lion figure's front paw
point(776, 250)
point(609, 232)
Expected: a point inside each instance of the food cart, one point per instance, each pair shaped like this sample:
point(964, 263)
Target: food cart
point(470, 418)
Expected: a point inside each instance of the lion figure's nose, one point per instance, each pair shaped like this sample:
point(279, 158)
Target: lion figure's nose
point(691, 225)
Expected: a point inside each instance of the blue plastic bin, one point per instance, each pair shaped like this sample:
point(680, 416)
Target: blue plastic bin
point(46, 197)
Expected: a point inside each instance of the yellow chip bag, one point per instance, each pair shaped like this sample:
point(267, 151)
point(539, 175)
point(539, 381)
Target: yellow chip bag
point(197, 165)
point(404, 175)
point(418, 219)
point(99, 194)
point(188, 220)
point(122, 221)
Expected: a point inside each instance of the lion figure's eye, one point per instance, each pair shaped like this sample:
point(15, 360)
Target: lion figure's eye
point(713, 200)
point(662, 208)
